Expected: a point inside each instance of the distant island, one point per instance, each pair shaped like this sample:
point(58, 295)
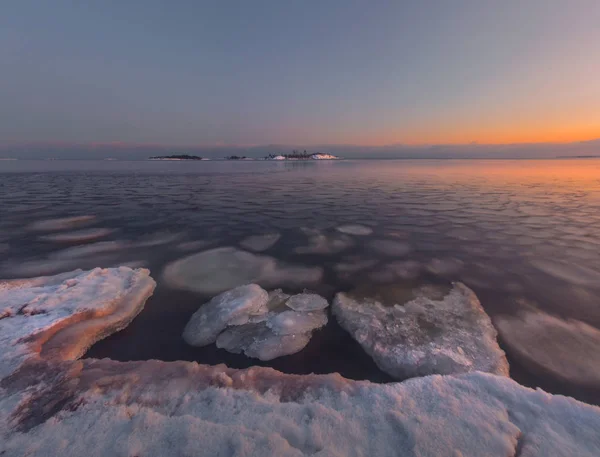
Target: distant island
point(177, 157)
point(295, 155)
point(238, 158)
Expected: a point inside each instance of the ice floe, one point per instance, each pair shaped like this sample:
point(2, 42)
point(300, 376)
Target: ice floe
point(289, 322)
point(61, 407)
point(424, 336)
point(307, 302)
point(101, 247)
point(568, 350)
point(390, 247)
point(233, 305)
point(156, 239)
point(393, 271)
point(63, 223)
point(355, 229)
point(322, 243)
point(262, 325)
point(570, 272)
point(259, 243)
point(78, 236)
point(220, 269)
point(35, 310)
point(445, 267)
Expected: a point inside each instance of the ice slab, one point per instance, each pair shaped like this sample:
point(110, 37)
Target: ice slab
point(155, 408)
point(259, 243)
point(355, 229)
point(568, 350)
point(307, 302)
point(220, 269)
point(393, 271)
point(260, 342)
point(424, 336)
point(445, 267)
point(290, 322)
point(248, 319)
point(68, 309)
point(236, 305)
point(321, 243)
point(570, 272)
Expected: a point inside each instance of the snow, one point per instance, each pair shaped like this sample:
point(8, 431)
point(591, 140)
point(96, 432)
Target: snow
point(355, 229)
point(259, 243)
point(390, 247)
point(307, 302)
point(248, 319)
point(424, 336)
point(220, 269)
point(157, 408)
point(78, 236)
point(213, 317)
point(40, 307)
point(567, 350)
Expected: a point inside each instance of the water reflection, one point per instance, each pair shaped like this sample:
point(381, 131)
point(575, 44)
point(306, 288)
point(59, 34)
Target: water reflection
point(514, 231)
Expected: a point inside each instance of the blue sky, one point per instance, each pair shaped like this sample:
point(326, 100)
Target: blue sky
point(192, 73)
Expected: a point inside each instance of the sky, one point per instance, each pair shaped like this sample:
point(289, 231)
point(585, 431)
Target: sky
point(135, 74)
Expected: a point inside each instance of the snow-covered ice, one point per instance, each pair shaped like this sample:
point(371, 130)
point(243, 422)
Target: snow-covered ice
point(262, 325)
point(259, 243)
point(355, 229)
point(220, 269)
point(568, 350)
point(33, 310)
point(424, 336)
point(155, 408)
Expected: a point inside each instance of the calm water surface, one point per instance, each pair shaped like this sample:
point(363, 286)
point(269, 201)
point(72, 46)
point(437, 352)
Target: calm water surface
point(519, 233)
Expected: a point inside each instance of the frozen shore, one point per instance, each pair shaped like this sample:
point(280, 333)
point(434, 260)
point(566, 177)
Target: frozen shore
point(52, 404)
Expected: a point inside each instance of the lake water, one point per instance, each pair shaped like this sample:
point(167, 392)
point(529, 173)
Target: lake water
point(521, 234)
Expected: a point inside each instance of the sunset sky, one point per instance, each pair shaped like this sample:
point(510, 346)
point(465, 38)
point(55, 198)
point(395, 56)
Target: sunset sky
point(299, 72)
